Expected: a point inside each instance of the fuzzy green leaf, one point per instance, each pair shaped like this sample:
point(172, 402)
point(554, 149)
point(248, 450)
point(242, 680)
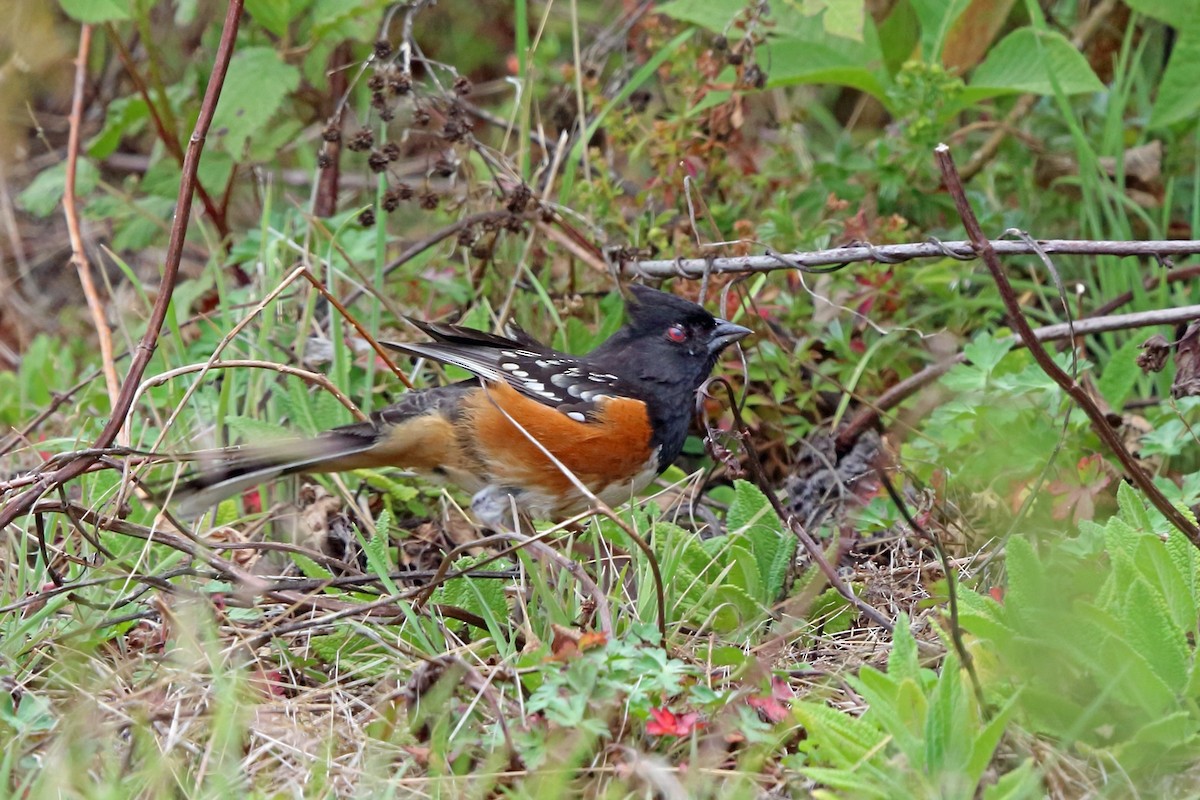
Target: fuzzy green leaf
point(1154, 633)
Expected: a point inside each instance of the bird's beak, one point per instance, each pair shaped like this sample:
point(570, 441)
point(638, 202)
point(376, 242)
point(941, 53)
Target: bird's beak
point(725, 334)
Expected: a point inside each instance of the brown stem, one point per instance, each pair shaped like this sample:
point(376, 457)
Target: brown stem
point(325, 202)
point(983, 247)
point(78, 256)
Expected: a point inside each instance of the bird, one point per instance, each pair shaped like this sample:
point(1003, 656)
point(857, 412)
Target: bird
point(614, 419)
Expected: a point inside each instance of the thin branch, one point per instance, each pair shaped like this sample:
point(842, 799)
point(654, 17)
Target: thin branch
point(22, 504)
point(78, 255)
point(1076, 392)
point(696, 268)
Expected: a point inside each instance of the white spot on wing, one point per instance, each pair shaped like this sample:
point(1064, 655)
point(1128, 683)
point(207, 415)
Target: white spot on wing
point(577, 416)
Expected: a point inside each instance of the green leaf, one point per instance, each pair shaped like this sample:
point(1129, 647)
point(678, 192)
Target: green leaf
point(249, 429)
point(1179, 90)
point(1153, 632)
point(484, 597)
point(715, 15)
point(985, 351)
point(749, 507)
point(255, 88)
point(297, 405)
point(903, 661)
point(95, 12)
point(125, 116)
point(1157, 565)
point(898, 706)
point(328, 412)
point(1132, 509)
point(376, 549)
point(1120, 375)
point(843, 62)
point(985, 742)
point(752, 518)
point(841, 739)
point(1176, 13)
point(1024, 782)
point(1022, 63)
point(44, 194)
point(274, 15)
point(937, 17)
point(949, 723)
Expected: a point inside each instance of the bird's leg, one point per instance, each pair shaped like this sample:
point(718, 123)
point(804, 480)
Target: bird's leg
point(497, 507)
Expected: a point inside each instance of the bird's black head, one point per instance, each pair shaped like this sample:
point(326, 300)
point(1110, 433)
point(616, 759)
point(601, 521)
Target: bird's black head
point(665, 351)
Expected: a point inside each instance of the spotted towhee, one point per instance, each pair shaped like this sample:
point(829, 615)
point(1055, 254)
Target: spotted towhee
point(614, 418)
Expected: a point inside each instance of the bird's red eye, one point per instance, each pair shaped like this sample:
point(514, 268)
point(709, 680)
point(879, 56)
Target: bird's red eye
point(677, 334)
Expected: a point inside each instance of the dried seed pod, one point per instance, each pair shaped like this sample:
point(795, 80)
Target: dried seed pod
point(362, 140)
point(377, 161)
point(383, 49)
point(367, 217)
point(1154, 353)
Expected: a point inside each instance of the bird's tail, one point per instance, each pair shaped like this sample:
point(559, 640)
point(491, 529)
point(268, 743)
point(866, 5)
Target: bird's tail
point(238, 469)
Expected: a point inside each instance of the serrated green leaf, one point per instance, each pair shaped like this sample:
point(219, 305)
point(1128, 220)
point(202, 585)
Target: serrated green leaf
point(1132, 509)
point(310, 568)
point(1156, 565)
point(1153, 633)
point(355, 653)
point(376, 549)
point(483, 597)
point(749, 507)
point(897, 706)
point(297, 406)
point(839, 738)
point(985, 351)
point(328, 412)
point(400, 491)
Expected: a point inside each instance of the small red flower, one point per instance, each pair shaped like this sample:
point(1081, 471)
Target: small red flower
point(667, 723)
point(773, 706)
